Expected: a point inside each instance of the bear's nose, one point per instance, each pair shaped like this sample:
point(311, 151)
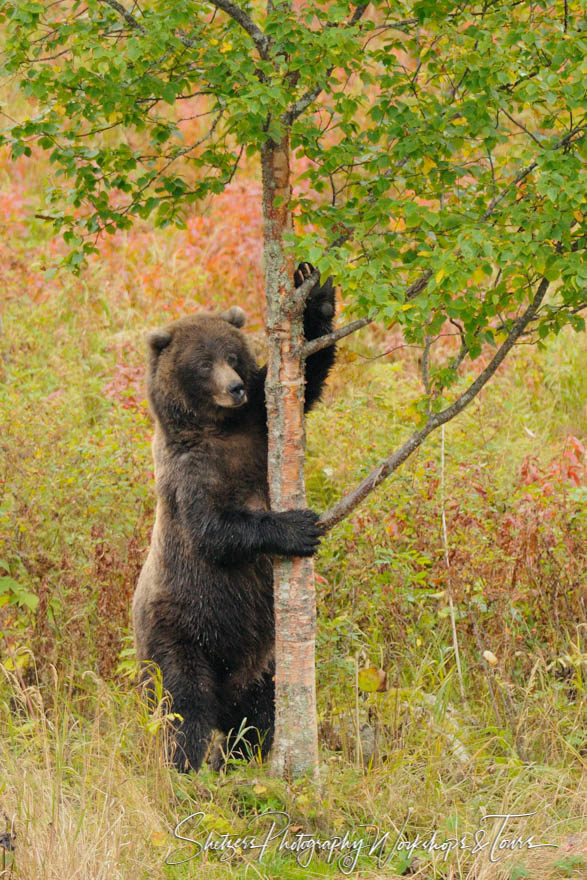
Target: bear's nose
point(236, 390)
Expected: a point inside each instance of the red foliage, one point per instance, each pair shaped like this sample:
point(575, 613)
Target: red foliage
point(569, 467)
point(215, 261)
point(116, 572)
point(18, 269)
point(126, 385)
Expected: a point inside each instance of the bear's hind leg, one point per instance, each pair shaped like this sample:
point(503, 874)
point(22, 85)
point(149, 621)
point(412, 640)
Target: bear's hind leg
point(194, 693)
point(190, 740)
point(257, 704)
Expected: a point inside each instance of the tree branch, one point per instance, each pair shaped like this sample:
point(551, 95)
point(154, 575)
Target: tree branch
point(526, 171)
point(302, 292)
point(231, 9)
point(309, 97)
point(330, 338)
point(425, 365)
point(128, 16)
point(420, 283)
point(137, 26)
point(260, 40)
point(324, 341)
point(343, 507)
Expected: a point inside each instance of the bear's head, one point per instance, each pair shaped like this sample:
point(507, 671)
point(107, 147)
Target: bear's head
point(199, 369)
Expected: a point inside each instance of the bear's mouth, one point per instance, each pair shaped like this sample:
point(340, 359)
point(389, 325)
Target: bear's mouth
point(231, 400)
point(236, 404)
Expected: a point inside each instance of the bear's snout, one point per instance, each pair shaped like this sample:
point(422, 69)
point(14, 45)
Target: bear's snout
point(237, 392)
point(229, 388)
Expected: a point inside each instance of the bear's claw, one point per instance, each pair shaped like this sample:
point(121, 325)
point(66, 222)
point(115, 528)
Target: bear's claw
point(303, 271)
point(302, 534)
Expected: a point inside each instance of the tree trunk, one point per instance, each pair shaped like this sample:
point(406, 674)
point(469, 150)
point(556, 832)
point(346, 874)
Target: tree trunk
point(295, 749)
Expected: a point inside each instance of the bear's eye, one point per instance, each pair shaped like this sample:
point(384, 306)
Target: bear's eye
point(205, 367)
point(232, 360)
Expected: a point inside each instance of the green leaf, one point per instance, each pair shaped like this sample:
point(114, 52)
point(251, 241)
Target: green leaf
point(8, 584)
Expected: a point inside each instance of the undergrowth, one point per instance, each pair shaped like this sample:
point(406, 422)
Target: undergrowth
point(84, 786)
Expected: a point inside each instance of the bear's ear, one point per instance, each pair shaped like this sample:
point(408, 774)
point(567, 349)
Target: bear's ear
point(159, 339)
point(235, 316)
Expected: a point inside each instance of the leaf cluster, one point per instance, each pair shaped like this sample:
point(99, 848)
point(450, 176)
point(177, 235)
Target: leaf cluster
point(435, 144)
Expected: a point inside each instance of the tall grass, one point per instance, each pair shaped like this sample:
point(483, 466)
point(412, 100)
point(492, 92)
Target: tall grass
point(81, 759)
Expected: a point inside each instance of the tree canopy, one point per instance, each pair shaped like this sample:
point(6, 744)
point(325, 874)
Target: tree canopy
point(437, 145)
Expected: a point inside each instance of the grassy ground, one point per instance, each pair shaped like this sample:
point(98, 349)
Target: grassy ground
point(80, 757)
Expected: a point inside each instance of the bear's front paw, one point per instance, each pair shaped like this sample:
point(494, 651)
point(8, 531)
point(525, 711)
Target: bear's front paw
point(302, 532)
point(304, 271)
point(320, 307)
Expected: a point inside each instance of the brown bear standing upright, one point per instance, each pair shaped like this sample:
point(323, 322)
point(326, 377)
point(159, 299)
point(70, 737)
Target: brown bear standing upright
point(203, 606)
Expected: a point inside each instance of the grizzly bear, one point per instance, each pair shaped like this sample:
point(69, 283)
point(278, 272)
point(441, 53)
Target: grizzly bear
point(203, 606)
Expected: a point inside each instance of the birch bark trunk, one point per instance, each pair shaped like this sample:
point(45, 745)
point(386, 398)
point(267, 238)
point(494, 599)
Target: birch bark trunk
point(295, 749)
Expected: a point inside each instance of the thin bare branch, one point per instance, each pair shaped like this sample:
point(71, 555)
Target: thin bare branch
point(425, 364)
point(330, 338)
point(418, 285)
point(464, 349)
point(523, 128)
point(303, 103)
